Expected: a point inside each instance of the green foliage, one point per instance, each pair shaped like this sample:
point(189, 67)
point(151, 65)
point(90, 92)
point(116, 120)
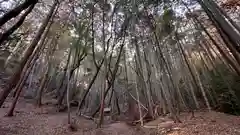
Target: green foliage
point(167, 18)
point(227, 99)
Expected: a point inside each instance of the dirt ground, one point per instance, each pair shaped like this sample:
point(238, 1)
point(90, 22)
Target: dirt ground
point(29, 120)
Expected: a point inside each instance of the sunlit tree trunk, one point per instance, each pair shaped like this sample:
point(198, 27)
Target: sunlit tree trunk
point(215, 43)
point(144, 85)
point(225, 56)
point(194, 74)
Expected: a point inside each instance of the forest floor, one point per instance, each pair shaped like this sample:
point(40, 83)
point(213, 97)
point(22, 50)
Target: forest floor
point(29, 120)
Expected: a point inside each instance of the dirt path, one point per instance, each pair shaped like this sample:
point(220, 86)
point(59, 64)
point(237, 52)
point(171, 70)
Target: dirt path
point(204, 123)
point(209, 123)
point(29, 120)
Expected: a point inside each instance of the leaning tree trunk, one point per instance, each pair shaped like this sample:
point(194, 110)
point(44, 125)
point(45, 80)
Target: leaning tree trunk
point(138, 99)
point(113, 75)
point(41, 88)
point(24, 75)
point(225, 56)
point(19, 87)
point(16, 11)
point(14, 79)
point(144, 83)
point(221, 23)
point(194, 73)
point(59, 94)
point(6, 34)
point(98, 66)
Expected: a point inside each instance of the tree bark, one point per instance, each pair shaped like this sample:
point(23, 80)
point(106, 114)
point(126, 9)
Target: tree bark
point(41, 88)
point(16, 11)
point(194, 73)
point(14, 79)
point(221, 23)
point(6, 34)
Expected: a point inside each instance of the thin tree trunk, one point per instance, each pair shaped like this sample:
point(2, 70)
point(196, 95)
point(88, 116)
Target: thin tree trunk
point(41, 88)
point(194, 74)
point(6, 34)
point(88, 89)
point(68, 98)
point(113, 75)
point(225, 56)
point(16, 11)
point(14, 79)
point(19, 88)
point(221, 23)
point(139, 106)
point(63, 78)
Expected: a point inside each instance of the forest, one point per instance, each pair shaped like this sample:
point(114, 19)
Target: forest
point(122, 67)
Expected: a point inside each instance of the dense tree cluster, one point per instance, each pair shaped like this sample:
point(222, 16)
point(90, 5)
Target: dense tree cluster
point(143, 58)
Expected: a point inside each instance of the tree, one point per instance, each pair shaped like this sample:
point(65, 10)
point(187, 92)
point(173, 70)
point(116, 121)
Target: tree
point(10, 31)
point(16, 11)
point(14, 79)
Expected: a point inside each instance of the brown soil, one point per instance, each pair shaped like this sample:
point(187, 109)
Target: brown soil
point(29, 120)
point(208, 123)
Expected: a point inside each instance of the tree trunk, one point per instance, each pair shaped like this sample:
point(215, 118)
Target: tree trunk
point(14, 79)
point(16, 11)
point(113, 75)
point(41, 88)
point(6, 34)
point(221, 23)
point(194, 74)
point(225, 56)
point(19, 87)
point(68, 98)
point(139, 106)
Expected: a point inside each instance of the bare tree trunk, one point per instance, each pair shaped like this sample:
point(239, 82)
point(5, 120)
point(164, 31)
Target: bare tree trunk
point(139, 106)
point(221, 23)
point(68, 98)
point(225, 56)
point(16, 11)
point(19, 88)
point(194, 74)
point(6, 34)
point(41, 88)
point(113, 75)
point(98, 66)
point(60, 97)
point(88, 89)
point(14, 79)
